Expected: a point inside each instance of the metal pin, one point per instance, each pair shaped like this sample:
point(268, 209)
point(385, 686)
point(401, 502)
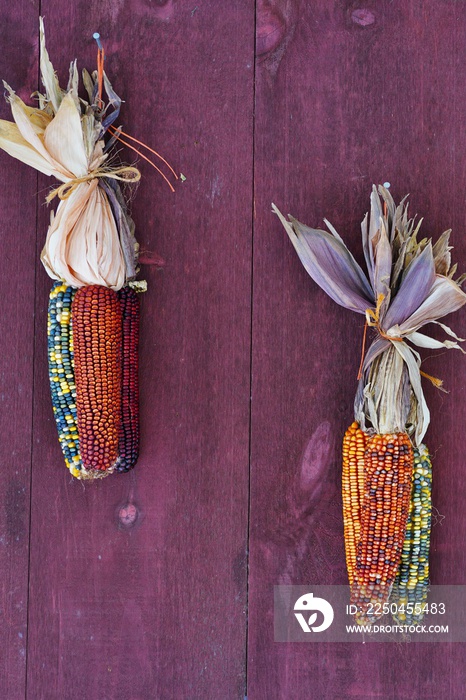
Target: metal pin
point(96, 36)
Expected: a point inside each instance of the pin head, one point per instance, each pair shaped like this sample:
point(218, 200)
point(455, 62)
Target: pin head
point(96, 36)
point(386, 185)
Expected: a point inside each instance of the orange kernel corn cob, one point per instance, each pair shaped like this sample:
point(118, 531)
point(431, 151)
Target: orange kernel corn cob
point(97, 339)
point(354, 446)
point(388, 465)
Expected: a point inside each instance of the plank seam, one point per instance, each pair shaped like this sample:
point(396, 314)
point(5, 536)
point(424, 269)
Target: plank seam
point(34, 347)
point(251, 328)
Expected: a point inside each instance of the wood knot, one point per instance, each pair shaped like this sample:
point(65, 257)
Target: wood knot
point(163, 9)
point(128, 516)
point(271, 28)
point(363, 17)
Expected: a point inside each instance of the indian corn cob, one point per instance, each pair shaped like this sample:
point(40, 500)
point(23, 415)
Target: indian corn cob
point(354, 448)
point(63, 380)
point(388, 471)
point(409, 283)
point(91, 251)
point(97, 341)
point(61, 373)
point(412, 580)
point(129, 428)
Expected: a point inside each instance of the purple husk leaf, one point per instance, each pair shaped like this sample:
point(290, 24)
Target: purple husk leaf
point(444, 297)
point(415, 286)
point(124, 223)
point(415, 291)
point(382, 263)
point(375, 221)
point(330, 264)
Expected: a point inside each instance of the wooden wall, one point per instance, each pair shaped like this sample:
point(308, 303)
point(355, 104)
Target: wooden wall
point(159, 583)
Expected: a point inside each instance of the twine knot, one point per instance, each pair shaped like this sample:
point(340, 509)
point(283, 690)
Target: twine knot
point(125, 173)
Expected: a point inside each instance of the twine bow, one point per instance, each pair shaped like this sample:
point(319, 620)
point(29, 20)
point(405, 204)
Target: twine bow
point(373, 321)
point(125, 173)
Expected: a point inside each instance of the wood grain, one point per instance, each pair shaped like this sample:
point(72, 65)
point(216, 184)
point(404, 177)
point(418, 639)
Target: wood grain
point(17, 241)
point(347, 96)
point(138, 583)
point(140, 586)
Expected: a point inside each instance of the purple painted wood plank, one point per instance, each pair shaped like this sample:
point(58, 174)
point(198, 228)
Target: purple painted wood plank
point(17, 241)
point(138, 583)
point(345, 96)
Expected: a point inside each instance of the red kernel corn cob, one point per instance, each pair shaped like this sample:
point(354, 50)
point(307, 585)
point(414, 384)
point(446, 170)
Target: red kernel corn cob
point(97, 339)
point(388, 465)
point(354, 446)
point(129, 428)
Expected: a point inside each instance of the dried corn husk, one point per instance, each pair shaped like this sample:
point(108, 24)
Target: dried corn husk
point(90, 238)
point(409, 285)
point(82, 245)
